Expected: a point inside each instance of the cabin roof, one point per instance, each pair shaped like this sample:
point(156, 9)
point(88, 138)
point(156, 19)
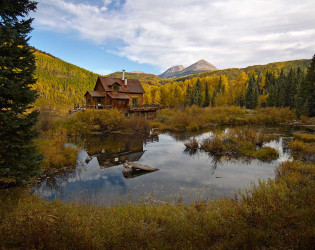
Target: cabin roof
point(114, 95)
point(96, 93)
point(133, 85)
point(114, 83)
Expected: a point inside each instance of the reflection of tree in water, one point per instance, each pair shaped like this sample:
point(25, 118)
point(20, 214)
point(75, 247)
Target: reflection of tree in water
point(56, 182)
point(184, 136)
point(285, 144)
point(214, 163)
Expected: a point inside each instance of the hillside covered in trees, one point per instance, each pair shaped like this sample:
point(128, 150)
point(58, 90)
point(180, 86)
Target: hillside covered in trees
point(278, 84)
point(284, 84)
point(59, 83)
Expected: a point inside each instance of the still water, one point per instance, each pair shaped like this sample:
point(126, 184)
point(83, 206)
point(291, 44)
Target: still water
point(182, 175)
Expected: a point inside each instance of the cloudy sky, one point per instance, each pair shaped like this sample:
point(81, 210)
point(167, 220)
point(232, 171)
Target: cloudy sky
point(151, 35)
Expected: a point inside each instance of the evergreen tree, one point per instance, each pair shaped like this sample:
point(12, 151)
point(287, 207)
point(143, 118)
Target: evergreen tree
point(251, 98)
point(220, 85)
point(310, 86)
point(197, 95)
point(271, 88)
point(305, 96)
point(290, 89)
point(282, 89)
point(213, 98)
point(188, 96)
point(207, 96)
point(18, 157)
point(256, 95)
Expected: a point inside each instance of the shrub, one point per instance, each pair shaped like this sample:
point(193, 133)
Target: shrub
point(192, 144)
point(214, 145)
point(137, 123)
point(84, 122)
point(267, 154)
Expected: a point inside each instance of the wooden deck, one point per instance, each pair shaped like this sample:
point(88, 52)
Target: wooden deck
point(144, 108)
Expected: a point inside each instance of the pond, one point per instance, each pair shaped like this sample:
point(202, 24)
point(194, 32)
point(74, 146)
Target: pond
point(183, 175)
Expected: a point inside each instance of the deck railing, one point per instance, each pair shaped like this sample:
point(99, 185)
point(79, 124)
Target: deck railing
point(144, 106)
point(98, 107)
point(147, 106)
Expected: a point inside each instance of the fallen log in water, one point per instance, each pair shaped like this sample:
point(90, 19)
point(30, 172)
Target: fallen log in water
point(130, 167)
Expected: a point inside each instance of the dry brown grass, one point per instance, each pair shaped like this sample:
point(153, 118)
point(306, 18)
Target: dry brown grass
point(277, 214)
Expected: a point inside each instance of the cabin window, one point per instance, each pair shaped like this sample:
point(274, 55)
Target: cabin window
point(115, 87)
point(89, 100)
point(98, 100)
point(134, 101)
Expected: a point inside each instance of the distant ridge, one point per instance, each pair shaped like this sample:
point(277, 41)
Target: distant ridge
point(197, 67)
point(137, 72)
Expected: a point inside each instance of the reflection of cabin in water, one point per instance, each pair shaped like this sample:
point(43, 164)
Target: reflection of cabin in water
point(121, 150)
point(124, 94)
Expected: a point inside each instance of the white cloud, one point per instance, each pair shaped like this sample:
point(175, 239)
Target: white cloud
point(228, 33)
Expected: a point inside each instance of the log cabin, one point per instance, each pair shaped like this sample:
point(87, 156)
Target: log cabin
point(120, 93)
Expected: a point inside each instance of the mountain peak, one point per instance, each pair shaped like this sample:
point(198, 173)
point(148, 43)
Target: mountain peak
point(169, 73)
point(179, 70)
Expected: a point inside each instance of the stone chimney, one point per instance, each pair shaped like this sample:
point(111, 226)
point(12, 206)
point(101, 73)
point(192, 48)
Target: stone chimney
point(123, 75)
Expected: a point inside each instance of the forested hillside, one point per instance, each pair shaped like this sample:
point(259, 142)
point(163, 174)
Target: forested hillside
point(142, 77)
point(63, 84)
point(234, 72)
point(60, 83)
point(283, 84)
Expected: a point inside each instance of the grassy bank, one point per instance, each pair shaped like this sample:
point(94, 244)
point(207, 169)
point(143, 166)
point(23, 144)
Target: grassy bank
point(104, 121)
point(274, 214)
point(194, 118)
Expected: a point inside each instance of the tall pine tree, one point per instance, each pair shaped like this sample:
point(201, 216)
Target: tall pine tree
point(310, 86)
point(207, 96)
point(305, 96)
point(188, 96)
point(251, 99)
point(197, 95)
point(18, 157)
